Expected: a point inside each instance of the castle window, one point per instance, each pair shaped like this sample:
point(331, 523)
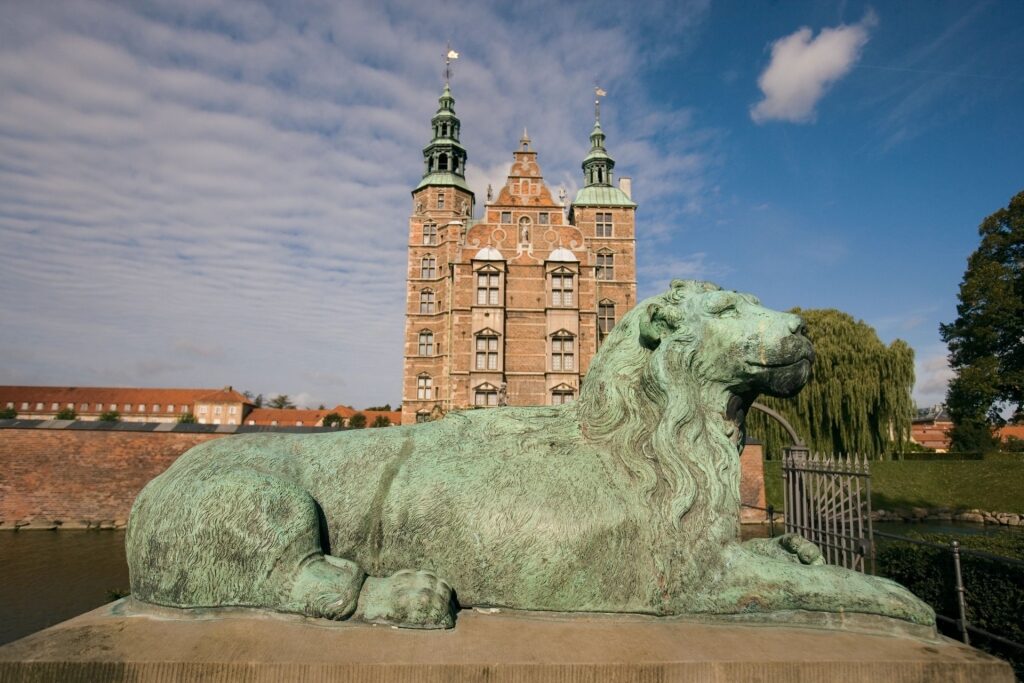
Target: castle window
point(605, 269)
point(442, 165)
point(424, 387)
point(561, 395)
point(506, 216)
point(562, 351)
point(487, 352)
point(423, 416)
point(605, 316)
point(487, 288)
point(561, 289)
point(426, 347)
point(485, 395)
point(544, 218)
point(427, 301)
point(428, 267)
point(430, 234)
point(603, 224)
point(440, 195)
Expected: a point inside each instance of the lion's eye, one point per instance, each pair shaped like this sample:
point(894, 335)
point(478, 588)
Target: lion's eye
point(723, 308)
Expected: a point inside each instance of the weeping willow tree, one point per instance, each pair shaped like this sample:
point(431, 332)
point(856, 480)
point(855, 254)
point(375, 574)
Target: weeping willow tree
point(858, 397)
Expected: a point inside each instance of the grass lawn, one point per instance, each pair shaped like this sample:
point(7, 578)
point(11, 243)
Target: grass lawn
point(996, 484)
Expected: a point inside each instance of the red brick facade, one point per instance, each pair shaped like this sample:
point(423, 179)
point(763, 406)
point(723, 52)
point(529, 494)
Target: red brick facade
point(81, 478)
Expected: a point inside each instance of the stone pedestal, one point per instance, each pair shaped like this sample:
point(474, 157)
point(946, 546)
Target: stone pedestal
point(121, 642)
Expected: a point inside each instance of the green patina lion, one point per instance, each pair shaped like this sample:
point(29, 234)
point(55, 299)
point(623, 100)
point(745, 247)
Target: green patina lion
point(626, 501)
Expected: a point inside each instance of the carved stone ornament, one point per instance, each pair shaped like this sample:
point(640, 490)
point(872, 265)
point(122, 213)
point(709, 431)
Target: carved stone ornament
point(624, 501)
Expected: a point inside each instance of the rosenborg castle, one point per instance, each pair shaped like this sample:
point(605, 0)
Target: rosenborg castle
point(510, 308)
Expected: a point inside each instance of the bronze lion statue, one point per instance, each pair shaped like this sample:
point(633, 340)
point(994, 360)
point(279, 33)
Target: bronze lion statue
point(625, 501)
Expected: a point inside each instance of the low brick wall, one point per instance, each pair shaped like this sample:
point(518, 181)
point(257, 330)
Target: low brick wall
point(79, 478)
point(85, 478)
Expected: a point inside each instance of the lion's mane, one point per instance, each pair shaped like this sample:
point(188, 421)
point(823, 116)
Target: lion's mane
point(631, 405)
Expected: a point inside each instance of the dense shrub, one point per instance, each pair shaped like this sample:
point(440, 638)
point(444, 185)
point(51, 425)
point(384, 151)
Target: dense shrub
point(994, 589)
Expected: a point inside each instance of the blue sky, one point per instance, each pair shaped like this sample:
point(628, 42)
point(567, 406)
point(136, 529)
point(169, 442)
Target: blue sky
point(205, 193)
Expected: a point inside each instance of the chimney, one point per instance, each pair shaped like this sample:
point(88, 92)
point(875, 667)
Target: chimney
point(626, 185)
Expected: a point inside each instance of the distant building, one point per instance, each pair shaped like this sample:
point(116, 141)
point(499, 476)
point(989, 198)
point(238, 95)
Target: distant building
point(289, 417)
point(209, 406)
point(930, 428)
point(510, 308)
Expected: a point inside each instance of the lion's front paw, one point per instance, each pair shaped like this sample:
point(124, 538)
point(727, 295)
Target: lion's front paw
point(792, 547)
point(408, 599)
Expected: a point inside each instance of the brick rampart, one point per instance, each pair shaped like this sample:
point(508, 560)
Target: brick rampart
point(81, 478)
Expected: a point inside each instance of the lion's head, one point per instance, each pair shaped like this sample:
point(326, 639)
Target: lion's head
point(675, 378)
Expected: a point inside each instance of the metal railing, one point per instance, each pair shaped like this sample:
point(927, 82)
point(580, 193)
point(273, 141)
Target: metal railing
point(960, 622)
point(828, 502)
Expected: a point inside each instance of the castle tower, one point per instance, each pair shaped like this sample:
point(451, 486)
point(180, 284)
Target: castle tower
point(510, 308)
point(442, 209)
point(606, 214)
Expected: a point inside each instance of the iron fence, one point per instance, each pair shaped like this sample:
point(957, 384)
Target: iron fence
point(828, 501)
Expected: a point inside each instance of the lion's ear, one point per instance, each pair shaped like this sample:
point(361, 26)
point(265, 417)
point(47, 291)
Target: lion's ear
point(657, 322)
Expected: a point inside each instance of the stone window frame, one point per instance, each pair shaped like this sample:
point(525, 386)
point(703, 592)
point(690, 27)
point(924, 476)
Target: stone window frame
point(488, 358)
point(562, 394)
point(422, 416)
point(605, 316)
point(485, 395)
point(428, 267)
point(603, 224)
point(430, 234)
point(604, 266)
point(424, 387)
point(428, 301)
point(440, 198)
point(544, 218)
point(562, 283)
point(425, 343)
point(491, 290)
point(506, 217)
point(563, 357)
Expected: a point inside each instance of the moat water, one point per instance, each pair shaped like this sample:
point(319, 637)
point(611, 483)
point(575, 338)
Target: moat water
point(49, 576)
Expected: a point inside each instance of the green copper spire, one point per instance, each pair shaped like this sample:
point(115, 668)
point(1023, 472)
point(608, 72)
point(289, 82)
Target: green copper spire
point(444, 158)
point(597, 166)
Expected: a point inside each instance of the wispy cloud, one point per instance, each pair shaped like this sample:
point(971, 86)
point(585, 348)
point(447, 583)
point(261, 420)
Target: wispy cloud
point(804, 66)
point(227, 183)
point(933, 375)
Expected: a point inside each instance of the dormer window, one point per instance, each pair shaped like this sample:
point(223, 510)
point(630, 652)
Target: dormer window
point(485, 395)
point(562, 394)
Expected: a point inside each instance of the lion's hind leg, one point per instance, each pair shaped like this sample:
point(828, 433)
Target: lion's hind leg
point(235, 537)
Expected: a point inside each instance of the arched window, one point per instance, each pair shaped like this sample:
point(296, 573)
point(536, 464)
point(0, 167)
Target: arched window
point(605, 267)
point(426, 345)
point(430, 234)
point(563, 351)
point(428, 267)
point(424, 387)
point(605, 316)
point(426, 301)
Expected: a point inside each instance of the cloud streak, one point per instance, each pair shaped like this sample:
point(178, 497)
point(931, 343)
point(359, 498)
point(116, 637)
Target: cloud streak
point(213, 193)
point(803, 67)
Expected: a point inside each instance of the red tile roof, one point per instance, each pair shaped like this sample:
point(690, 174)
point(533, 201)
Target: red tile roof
point(1011, 430)
point(285, 417)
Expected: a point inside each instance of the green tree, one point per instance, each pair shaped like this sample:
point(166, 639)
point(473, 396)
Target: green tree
point(332, 420)
point(8, 413)
point(858, 398)
point(110, 416)
point(357, 421)
point(66, 414)
point(384, 408)
point(381, 421)
point(187, 419)
point(281, 401)
point(986, 341)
